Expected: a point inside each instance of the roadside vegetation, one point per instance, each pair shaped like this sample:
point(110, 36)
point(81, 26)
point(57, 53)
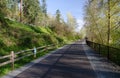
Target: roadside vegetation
point(102, 27)
point(29, 25)
point(102, 22)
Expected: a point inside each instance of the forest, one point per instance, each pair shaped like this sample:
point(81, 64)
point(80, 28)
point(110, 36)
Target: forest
point(26, 23)
point(102, 22)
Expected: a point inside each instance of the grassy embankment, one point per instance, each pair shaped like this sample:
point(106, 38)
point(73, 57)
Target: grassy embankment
point(15, 36)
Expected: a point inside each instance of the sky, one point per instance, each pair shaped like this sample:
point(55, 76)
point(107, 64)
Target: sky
point(75, 7)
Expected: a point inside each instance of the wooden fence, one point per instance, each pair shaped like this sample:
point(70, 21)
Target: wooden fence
point(15, 56)
point(111, 53)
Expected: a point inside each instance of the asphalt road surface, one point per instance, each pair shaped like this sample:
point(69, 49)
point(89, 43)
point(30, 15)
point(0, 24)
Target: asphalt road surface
point(75, 60)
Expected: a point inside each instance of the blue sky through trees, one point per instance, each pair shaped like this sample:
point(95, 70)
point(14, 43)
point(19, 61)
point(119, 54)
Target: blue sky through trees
point(75, 7)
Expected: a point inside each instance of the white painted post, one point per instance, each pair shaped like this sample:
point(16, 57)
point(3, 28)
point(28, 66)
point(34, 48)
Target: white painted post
point(35, 51)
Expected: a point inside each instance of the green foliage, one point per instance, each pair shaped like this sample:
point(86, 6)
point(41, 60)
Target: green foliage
point(7, 68)
point(58, 15)
point(39, 28)
point(3, 7)
point(2, 43)
point(71, 21)
point(44, 7)
point(102, 21)
point(9, 8)
point(31, 10)
point(35, 15)
point(16, 36)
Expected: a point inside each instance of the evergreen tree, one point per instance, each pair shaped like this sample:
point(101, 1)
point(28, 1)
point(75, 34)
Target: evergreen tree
point(4, 7)
point(9, 8)
point(44, 7)
point(58, 15)
point(31, 9)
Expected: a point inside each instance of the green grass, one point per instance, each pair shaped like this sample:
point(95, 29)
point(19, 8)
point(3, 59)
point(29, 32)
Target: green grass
point(15, 36)
point(7, 68)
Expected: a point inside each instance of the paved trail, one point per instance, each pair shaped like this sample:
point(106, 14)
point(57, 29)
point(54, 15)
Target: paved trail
point(75, 60)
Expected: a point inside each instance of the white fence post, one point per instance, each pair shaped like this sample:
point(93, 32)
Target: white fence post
point(35, 52)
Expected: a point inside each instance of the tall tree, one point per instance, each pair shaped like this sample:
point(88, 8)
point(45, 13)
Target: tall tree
point(102, 21)
point(21, 2)
point(31, 9)
point(9, 8)
point(58, 15)
point(44, 7)
point(4, 7)
point(14, 10)
point(71, 21)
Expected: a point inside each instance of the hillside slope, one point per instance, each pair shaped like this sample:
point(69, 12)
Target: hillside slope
point(15, 36)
